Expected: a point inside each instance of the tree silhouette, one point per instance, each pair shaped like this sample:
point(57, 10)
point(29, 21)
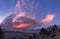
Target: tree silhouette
point(54, 28)
point(34, 36)
point(50, 32)
point(1, 33)
point(53, 31)
point(43, 33)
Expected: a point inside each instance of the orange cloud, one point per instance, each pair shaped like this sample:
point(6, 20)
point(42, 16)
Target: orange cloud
point(22, 26)
point(48, 18)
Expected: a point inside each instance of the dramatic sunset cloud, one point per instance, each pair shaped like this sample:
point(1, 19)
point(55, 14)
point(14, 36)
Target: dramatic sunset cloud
point(24, 17)
point(48, 18)
point(20, 21)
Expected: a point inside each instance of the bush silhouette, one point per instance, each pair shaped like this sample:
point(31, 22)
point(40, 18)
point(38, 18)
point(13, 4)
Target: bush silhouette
point(1, 33)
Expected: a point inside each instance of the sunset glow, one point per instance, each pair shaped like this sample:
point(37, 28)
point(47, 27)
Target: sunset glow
point(48, 18)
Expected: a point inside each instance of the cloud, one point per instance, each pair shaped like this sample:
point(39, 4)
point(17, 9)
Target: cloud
point(48, 18)
point(21, 19)
point(24, 22)
point(18, 21)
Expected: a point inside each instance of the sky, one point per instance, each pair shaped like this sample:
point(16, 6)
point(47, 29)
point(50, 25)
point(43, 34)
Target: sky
point(40, 10)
